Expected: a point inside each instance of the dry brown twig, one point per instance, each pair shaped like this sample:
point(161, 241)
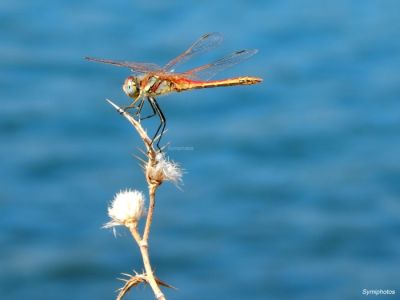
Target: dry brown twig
point(127, 207)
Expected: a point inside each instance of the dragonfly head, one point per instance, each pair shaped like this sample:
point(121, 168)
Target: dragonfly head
point(131, 87)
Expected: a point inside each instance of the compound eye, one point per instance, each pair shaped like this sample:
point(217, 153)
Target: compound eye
point(130, 88)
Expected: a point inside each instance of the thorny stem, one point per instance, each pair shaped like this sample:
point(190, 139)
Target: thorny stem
point(153, 185)
point(146, 262)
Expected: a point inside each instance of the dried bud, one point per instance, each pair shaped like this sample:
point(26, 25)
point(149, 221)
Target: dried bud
point(126, 208)
point(164, 170)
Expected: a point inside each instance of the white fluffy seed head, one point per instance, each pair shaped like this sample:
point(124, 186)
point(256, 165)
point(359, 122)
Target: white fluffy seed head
point(164, 170)
point(126, 208)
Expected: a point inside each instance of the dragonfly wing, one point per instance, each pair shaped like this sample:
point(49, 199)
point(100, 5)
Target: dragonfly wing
point(134, 66)
point(203, 44)
point(208, 71)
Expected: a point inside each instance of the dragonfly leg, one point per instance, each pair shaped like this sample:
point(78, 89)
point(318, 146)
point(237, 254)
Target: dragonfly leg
point(132, 105)
point(163, 122)
point(149, 116)
point(139, 108)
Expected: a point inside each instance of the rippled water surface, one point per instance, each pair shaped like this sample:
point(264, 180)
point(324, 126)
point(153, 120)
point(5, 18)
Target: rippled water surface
point(292, 187)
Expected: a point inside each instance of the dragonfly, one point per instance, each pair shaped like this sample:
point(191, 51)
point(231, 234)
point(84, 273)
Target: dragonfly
point(149, 81)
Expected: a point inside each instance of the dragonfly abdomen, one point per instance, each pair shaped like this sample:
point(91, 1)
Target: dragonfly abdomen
point(246, 80)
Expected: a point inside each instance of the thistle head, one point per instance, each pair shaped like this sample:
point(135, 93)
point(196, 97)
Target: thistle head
point(126, 208)
point(164, 170)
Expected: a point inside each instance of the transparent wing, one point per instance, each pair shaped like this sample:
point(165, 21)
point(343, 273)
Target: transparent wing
point(134, 66)
point(203, 44)
point(208, 71)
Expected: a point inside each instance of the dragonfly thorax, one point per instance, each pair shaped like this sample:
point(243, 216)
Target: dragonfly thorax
point(131, 87)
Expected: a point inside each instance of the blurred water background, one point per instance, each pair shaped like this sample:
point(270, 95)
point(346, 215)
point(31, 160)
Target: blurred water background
point(292, 187)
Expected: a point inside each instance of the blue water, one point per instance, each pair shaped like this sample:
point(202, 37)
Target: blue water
point(292, 187)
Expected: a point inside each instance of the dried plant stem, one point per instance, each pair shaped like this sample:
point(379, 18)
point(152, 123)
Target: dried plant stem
point(153, 185)
point(146, 262)
point(152, 203)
